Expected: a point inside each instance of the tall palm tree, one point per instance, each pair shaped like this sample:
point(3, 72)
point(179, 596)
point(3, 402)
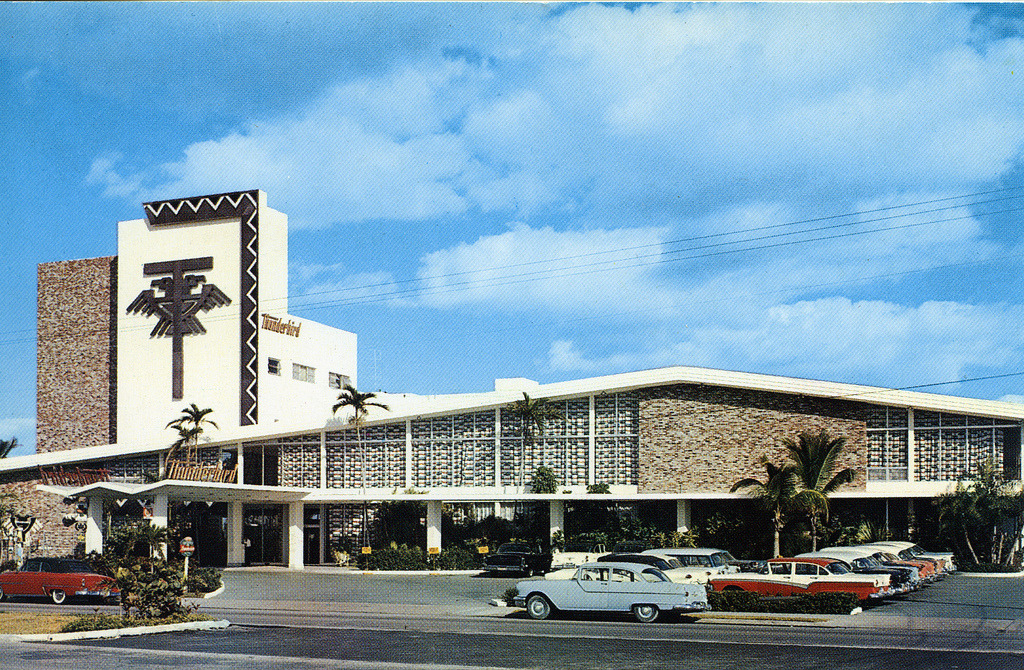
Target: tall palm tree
point(190, 426)
point(534, 414)
point(7, 446)
point(360, 404)
point(814, 458)
point(775, 494)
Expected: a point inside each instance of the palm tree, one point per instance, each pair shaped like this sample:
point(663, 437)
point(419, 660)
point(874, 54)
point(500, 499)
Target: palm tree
point(814, 457)
point(775, 494)
point(7, 446)
point(190, 428)
point(360, 403)
point(534, 414)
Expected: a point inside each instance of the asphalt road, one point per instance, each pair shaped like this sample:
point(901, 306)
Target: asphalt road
point(349, 620)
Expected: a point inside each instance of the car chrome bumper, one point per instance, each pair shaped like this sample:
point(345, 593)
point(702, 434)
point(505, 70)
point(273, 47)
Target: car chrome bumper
point(519, 601)
point(691, 607)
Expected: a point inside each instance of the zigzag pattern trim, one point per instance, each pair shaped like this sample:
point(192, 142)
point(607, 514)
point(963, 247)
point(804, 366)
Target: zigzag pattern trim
point(250, 331)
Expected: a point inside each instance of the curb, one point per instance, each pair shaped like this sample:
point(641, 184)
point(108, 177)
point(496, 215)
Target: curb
point(116, 632)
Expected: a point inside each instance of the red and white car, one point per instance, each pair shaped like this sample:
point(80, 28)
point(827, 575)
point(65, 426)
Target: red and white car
point(57, 579)
point(799, 576)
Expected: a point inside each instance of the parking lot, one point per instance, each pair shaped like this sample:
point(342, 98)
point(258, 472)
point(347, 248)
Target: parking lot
point(961, 596)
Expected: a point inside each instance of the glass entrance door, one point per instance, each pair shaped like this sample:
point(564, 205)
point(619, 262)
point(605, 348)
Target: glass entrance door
point(262, 533)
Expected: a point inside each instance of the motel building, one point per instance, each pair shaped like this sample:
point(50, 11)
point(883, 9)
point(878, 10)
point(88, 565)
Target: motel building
point(194, 309)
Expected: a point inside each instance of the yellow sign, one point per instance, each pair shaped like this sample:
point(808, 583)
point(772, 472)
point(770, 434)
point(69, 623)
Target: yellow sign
point(482, 550)
point(366, 550)
point(434, 550)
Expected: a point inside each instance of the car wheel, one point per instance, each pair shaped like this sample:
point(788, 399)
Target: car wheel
point(538, 607)
point(58, 596)
point(645, 613)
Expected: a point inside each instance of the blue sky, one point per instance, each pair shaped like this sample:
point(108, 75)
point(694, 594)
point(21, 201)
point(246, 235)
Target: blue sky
point(553, 192)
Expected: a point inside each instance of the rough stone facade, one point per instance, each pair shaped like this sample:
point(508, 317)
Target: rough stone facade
point(76, 354)
point(705, 438)
point(75, 384)
point(49, 537)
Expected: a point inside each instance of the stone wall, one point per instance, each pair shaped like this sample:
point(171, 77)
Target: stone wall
point(76, 354)
point(49, 537)
point(705, 438)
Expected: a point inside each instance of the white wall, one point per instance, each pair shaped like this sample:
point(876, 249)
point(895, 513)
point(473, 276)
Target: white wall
point(212, 364)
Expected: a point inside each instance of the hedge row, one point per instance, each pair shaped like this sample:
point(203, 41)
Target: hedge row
point(403, 557)
point(818, 603)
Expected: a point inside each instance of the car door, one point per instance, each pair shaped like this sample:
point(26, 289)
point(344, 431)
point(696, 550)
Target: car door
point(593, 591)
point(805, 578)
point(780, 579)
point(28, 580)
point(622, 590)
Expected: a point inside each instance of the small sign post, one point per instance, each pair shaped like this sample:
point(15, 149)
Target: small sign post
point(186, 549)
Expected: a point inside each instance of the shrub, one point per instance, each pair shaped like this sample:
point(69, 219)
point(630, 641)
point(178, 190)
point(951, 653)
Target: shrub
point(599, 488)
point(818, 603)
point(544, 480)
point(989, 567)
point(203, 580)
point(7, 566)
point(151, 589)
point(395, 557)
point(457, 558)
point(509, 594)
point(86, 622)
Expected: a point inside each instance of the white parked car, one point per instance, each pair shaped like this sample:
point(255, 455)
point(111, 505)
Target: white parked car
point(611, 587)
point(576, 554)
point(705, 563)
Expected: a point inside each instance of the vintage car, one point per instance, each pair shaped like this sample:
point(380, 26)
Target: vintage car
point(611, 587)
point(518, 557)
point(903, 579)
point(706, 563)
point(925, 570)
point(672, 568)
point(799, 576)
point(576, 554)
point(908, 551)
point(57, 579)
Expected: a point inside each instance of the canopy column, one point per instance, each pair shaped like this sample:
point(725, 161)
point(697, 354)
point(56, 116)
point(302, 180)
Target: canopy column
point(683, 512)
point(236, 543)
point(293, 540)
point(94, 526)
point(433, 525)
point(556, 517)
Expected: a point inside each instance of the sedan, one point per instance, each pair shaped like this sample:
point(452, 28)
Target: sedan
point(611, 587)
point(799, 576)
point(56, 579)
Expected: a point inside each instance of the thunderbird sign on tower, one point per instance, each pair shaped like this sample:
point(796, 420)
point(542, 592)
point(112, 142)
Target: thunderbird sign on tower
point(178, 308)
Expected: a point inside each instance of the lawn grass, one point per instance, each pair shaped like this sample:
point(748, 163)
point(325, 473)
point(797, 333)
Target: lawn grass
point(24, 623)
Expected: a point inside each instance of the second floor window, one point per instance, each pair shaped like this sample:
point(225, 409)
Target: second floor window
point(337, 380)
point(304, 373)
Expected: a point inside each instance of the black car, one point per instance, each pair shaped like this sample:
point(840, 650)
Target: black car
point(518, 557)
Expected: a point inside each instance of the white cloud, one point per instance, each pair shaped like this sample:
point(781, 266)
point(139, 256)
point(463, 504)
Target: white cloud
point(635, 109)
point(333, 285)
point(524, 268)
point(835, 338)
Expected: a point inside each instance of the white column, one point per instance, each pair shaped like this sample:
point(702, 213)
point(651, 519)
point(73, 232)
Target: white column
point(236, 548)
point(240, 478)
point(159, 519)
point(497, 450)
point(94, 526)
point(408, 454)
point(556, 517)
point(293, 540)
point(433, 524)
point(323, 459)
point(911, 449)
point(592, 444)
point(683, 516)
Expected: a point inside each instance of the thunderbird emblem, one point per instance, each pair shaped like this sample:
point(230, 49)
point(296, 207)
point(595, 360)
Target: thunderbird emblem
point(177, 310)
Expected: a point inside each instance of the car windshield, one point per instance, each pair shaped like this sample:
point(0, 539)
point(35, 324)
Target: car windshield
point(699, 561)
point(727, 557)
point(674, 563)
point(514, 548)
point(718, 560)
point(577, 548)
point(838, 568)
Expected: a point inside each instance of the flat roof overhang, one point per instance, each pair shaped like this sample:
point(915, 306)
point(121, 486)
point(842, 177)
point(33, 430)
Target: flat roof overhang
point(217, 492)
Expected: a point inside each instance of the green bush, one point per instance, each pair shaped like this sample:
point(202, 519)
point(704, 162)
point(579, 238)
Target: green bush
point(989, 567)
point(203, 580)
point(544, 480)
point(395, 557)
point(818, 603)
point(151, 589)
point(509, 594)
point(8, 566)
point(457, 558)
point(86, 622)
point(599, 488)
